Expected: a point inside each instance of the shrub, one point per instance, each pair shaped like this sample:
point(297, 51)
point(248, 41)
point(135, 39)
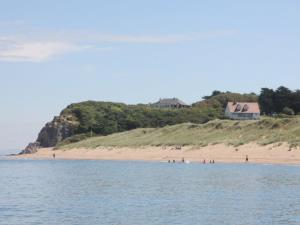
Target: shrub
point(288, 111)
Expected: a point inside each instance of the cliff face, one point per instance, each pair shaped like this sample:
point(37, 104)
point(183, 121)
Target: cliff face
point(60, 128)
point(31, 148)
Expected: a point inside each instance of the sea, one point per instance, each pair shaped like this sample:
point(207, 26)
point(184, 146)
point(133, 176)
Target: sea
point(88, 192)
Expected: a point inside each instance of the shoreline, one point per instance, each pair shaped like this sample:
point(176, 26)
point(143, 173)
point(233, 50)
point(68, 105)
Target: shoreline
point(220, 153)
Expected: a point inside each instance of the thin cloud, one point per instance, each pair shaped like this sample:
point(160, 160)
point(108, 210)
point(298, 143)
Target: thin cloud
point(34, 51)
point(146, 39)
point(42, 46)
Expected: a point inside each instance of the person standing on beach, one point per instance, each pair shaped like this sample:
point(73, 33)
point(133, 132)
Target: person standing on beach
point(247, 159)
point(53, 155)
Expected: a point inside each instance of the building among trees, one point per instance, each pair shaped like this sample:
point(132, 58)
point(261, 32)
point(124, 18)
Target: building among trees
point(242, 110)
point(173, 103)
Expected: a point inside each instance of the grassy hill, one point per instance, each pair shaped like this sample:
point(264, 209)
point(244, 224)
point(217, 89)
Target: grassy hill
point(183, 126)
point(265, 131)
point(104, 118)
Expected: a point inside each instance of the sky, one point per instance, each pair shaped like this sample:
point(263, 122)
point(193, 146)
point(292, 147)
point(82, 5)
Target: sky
point(54, 53)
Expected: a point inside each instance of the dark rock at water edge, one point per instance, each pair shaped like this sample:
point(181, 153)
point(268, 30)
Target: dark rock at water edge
point(60, 128)
point(31, 148)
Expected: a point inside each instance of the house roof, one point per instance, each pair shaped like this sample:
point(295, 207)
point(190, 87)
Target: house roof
point(169, 101)
point(243, 107)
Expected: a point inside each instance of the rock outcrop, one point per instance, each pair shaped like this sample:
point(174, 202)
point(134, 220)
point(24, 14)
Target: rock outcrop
point(59, 129)
point(31, 148)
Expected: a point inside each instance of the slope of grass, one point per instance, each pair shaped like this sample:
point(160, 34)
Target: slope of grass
point(264, 131)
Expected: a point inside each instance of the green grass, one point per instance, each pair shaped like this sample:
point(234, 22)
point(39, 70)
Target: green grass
point(264, 131)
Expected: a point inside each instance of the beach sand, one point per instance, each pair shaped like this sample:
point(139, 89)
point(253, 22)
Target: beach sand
point(273, 154)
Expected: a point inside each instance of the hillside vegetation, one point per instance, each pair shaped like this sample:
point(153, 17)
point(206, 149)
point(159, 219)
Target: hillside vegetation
point(107, 117)
point(265, 131)
point(79, 120)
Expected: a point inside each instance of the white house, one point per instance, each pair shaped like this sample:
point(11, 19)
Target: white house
point(242, 111)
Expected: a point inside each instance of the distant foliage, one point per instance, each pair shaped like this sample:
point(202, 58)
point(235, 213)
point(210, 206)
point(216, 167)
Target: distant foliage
point(282, 100)
point(105, 118)
point(219, 100)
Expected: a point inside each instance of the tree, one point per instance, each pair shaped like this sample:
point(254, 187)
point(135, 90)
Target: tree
point(214, 93)
point(266, 101)
point(296, 101)
point(282, 98)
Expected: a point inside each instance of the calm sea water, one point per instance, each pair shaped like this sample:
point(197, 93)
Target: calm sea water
point(82, 192)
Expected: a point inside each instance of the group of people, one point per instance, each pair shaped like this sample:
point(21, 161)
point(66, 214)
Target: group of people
point(204, 161)
point(183, 161)
point(174, 161)
point(210, 161)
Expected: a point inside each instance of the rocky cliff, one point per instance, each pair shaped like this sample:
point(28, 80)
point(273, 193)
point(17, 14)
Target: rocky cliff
point(31, 148)
point(60, 128)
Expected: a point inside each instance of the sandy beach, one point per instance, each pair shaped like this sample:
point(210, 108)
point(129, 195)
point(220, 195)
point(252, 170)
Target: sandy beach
point(275, 154)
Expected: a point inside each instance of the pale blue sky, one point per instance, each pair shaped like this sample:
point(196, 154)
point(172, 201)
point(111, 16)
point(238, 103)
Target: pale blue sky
point(53, 53)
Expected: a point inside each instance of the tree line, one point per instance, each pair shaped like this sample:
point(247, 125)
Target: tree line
point(282, 100)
